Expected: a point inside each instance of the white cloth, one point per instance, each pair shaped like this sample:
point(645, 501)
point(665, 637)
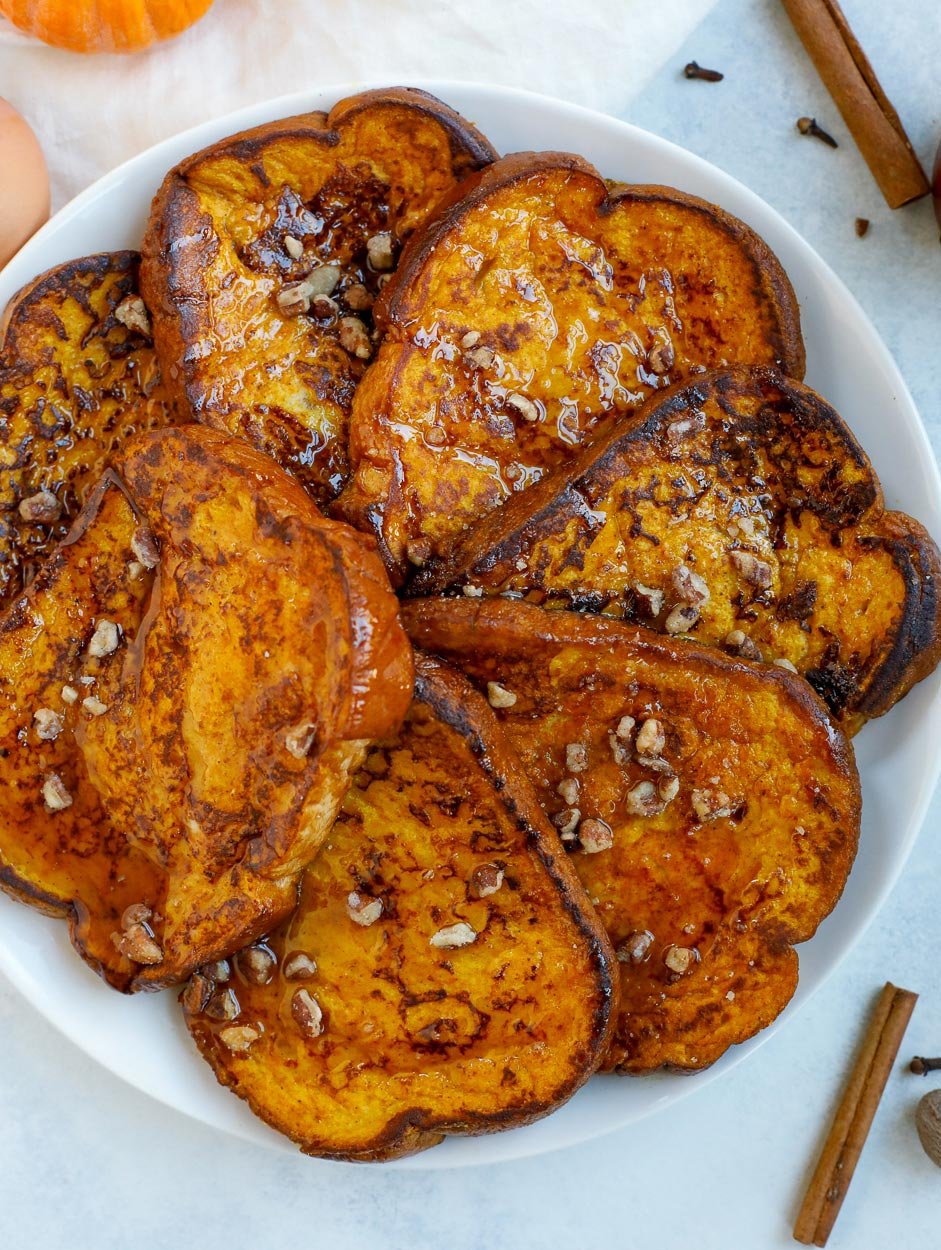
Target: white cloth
point(92, 112)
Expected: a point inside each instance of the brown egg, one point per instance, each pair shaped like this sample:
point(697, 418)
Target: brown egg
point(24, 182)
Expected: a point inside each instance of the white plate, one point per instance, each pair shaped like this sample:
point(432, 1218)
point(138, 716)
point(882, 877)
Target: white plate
point(143, 1039)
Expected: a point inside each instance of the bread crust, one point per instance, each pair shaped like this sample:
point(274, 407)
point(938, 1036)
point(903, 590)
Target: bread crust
point(215, 261)
point(457, 796)
point(852, 594)
point(75, 384)
point(399, 303)
point(540, 306)
point(194, 672)
point(733, 864)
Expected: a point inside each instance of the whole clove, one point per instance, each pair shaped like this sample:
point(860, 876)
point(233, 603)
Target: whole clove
point(921, 1066)
point(862, 227)
point(695, 70)
point(808, 126)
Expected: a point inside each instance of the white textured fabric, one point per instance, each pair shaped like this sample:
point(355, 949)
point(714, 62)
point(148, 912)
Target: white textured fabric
point(92, 112)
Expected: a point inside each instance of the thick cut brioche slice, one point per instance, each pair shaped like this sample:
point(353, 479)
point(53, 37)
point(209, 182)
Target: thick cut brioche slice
point(323, 200)
point(740, 509)
point(184, 687)
point(78, 376)
point(538, 307)
point(711, 808)
point(443, 973)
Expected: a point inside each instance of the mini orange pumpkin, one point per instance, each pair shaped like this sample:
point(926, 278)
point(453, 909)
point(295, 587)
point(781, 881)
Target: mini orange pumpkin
point(103, 25)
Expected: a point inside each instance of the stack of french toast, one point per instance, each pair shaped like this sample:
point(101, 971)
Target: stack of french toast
point(436, 615)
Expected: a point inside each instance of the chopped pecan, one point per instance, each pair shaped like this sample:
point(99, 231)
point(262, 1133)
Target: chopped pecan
point(453, 936)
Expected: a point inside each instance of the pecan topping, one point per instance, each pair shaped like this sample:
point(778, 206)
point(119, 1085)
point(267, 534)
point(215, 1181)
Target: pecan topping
point(635, 948)
point(144, 546)
point(54, 794)
point(498, 696)
point(299, 967)
point(379, 251)
point(525, 407)
point(104, 641)
point(362, 909)
point(358, 298)
point(239, 1037)
point(323, 280)
point(595, 836)
point(256, 964)
point(689, 586)
point(566, 822)
point(669, 788)
point(576, 757)
point(294, 298)
point(453, 936)
point(754, 571)
point(223, 1005)
point(682, 619)
point(651, 738)
point(307, 1013)
point(486, 879)
point(739, 642)
point(354, 338)
point(652, 597)
point(136, 941)
point(196, 994)
point(661, 356)
point(132, 313)
point(711, 804)
point(568, 789)
point(643, 800)
point(49, 724)
point(480, 357)
point(620, 751)
point(42, 508)
point(678, 959)
point(324, 308)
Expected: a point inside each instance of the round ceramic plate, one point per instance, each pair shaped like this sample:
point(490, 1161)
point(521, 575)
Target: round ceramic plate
point(142, 1039)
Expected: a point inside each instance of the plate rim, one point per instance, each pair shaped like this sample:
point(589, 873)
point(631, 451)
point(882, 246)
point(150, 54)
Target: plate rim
point(196, 137)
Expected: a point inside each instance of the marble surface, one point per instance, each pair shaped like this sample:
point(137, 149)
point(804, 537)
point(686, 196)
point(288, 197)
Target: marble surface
point(86, 1161)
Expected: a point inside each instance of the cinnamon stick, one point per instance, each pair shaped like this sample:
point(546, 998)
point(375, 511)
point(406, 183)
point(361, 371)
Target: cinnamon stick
point(854, 1116)
point(866, 109)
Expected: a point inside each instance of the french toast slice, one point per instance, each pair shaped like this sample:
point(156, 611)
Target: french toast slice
point(711, 808)
point(184, 688)
point(542, 305)
point(444, 972)
point(78, 376)
point(264, 254)
point(737, 508)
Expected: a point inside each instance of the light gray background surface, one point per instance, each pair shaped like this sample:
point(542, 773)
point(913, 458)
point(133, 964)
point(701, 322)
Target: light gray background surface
point(87, 1162)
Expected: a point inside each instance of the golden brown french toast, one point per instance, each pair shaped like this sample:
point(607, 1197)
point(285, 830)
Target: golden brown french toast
point(711, 808)
point(78, 376)
point(737, 508)
point(264, 254)
point(184, 688)
point(443, 973)
point(542, 305)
